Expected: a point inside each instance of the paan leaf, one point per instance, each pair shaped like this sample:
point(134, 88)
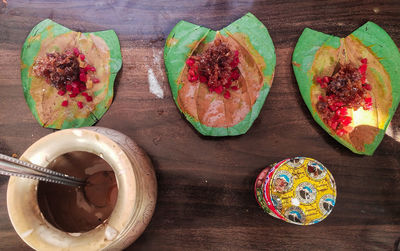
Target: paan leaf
point(209, 112)
point(317, 54)
point(101, 49)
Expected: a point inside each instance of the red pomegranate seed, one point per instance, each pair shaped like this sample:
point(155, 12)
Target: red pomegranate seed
point(367, 87)
point(364, 61)
point(61, 92)
point(68, 87)
point(89, 68)
point(235, 74)
point(80, 104)
point(368, 100)
point(75, 90)
point(362, 69)
point(227, 94)
point(73, 95)
point(228, 84)
point(333, 108)
point(82, 87)
point(190, 62)
point(334, 125)
point(64, 103)
point(324, 85)
point(341, 132)
point(363, 79)
point(193, 78)
point(235, 88)
point(346, 120)
point(319, 80)
point(89, 98)
point(191, 72)
point(95, 80)
point(203, 79)
point(82, 77)
point(82, 57)
point(321, 98)
point(84, 94)
point(75, 84)
point(218, 89)
point(326, 79)
point(338, 104)
point(76, 52)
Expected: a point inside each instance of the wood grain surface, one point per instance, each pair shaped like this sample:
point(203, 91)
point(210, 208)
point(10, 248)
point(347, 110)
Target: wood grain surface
point(205, 197)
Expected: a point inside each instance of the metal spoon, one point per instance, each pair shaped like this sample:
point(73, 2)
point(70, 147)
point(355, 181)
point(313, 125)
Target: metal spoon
point(14, 167)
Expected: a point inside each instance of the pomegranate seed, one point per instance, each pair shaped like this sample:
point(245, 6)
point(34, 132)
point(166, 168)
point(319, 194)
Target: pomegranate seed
point(193, 78)
point(64, 103)
point(82, 77)
point(341, 132)
point(73, 95)
point(368, 100)
point(191, 72)
point(321, 98)
point(95, 80)
point(236, 53)
point(363, 79)
point(332, 108)
point(82, 57)
point(75, 90)
point(334, 125)
point(346, 120)
point(338, 104)
point(362, 69)
point(203, 79)
point(367, 87)
point(235, 88)
point(218, 89)
point(319, 80)
point(68, 87)
point(89, 98)
point(343, 111)
point(326, 79)
point(76, 52)
point(75, 84)
point(364, 61)
point(80, 104)
point(82, 87)
point(324, 85)
point(190, 62)
point(89, 68)
point(235, 74)
point(84, 94)
point(228, 84)
point(367, 106)
point(61, 92)
point(227, 94)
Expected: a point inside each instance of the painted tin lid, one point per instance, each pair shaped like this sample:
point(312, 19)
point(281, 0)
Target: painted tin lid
point(302, 191)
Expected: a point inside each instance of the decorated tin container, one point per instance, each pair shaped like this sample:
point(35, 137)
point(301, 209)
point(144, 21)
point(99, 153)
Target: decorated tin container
point(299, 190)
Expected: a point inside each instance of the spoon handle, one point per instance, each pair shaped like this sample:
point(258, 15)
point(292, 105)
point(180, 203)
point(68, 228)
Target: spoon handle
point(14, 167)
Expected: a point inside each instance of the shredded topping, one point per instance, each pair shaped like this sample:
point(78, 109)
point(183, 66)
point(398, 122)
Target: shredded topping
point(346, 89)
point(216, 67)
point(67, 72)
point(58, 69)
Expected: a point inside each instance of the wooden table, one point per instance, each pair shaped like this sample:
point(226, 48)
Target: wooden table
point(205, 199)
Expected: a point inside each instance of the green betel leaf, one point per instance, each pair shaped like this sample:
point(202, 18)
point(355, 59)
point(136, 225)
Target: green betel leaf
point(101, 50)
point(317, 55)
point(210, 112)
